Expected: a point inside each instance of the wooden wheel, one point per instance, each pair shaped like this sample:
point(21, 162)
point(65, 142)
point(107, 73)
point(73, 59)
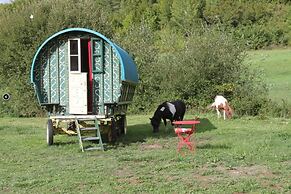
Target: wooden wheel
point(50, 132)
point(122, 125)
point(114, 133)
point(118, 126)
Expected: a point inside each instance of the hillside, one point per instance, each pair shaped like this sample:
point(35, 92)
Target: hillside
point(276, 65)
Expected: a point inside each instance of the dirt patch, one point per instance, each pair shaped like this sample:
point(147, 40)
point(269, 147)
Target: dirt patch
point(125, 175)
point(208, 175)
point(207, 180)
point(129, 180)
point(253, 171)
point(269, 184)
point(123, 172)
point(287, 162)
point(204, 140)
point(6, 190)
point(151, 146)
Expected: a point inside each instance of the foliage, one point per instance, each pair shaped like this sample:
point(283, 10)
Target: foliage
point(260, 23)
point(198, 68)
point(183, 49)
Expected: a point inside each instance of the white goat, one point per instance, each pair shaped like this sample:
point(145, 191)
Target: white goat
point(221, 104)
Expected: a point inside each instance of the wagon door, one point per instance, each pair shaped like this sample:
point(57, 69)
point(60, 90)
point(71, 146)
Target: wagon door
point(77, 80)
point(98, 75)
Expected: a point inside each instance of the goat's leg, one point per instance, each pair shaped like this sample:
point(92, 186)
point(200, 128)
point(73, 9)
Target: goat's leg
point(224, 114)
point(218, 113)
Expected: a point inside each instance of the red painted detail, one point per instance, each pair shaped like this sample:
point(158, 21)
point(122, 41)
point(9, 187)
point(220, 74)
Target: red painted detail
point(186, 122)
point(90, 97)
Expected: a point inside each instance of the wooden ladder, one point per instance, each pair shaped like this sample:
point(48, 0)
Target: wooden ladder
point(82, 137)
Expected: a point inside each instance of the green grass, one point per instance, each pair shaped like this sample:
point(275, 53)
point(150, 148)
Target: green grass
point(246, 155)
point(277, 68)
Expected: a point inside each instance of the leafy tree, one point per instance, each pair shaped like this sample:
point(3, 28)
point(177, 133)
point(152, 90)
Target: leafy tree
point(165, 11)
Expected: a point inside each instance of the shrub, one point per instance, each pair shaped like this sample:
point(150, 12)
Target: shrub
point(206, 64)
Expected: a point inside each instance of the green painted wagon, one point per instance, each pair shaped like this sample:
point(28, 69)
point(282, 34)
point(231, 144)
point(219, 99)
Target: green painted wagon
point(85, 82)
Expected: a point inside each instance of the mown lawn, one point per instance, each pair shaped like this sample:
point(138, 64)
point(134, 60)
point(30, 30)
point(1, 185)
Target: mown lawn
point(246, 155)
point(276, 65)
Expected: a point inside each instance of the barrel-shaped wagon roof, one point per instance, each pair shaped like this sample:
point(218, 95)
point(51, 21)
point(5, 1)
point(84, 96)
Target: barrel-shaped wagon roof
point(128, 67)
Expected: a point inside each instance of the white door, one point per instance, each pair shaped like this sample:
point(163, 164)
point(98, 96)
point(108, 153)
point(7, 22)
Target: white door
point(77, 80)
point(78, 93)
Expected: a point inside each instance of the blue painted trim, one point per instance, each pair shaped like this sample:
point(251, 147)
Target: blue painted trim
point(128, 70)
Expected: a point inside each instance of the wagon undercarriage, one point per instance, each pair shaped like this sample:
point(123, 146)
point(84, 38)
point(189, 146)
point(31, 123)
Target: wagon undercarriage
point(92, 130)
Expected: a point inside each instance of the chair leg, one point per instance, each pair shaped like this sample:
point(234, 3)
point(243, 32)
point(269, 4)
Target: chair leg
point(186, 141)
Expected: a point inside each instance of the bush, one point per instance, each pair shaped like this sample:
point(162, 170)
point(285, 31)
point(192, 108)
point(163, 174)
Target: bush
point(276, 109)
point(197, 69)
point(259, 23)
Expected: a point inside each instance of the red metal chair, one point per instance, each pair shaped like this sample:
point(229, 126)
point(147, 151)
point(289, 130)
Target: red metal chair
point(184, 134)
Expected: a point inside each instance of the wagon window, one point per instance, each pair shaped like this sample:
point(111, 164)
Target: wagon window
point(74, 47)
point(74, 63)
point(74, 55)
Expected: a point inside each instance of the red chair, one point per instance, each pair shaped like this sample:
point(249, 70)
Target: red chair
point(184, 134)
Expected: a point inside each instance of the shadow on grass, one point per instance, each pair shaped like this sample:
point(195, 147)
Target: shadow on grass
point(215, 146)
point(205, 125)
point(141, 132)
point(63, 142)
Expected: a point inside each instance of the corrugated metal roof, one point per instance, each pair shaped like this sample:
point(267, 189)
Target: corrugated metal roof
point(128, 67)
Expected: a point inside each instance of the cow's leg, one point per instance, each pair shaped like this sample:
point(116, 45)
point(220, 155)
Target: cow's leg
point(165, 121)
point(167, 127)
point(182, 116)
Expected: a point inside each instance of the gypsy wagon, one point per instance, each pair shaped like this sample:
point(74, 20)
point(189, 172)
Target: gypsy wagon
point(85, 82)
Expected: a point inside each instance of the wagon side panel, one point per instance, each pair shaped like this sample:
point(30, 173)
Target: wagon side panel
point(54, 74)
point(116, 81)
point(107, 74)
point(51, 74)
point(111, 75)
point(45, 90)
point(63, 73)
point(98, 75)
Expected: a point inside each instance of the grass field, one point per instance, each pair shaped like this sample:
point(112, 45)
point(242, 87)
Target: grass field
point(244, 155)
point(277, 68)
